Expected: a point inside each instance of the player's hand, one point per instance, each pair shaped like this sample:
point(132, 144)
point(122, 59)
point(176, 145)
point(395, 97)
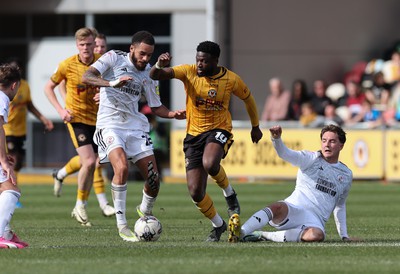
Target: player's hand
point(351, 239)
point(66, 115)
point(164, 59)
point(276, 132)
point(48, 124)
point(120, 82)
point(180, 114)
point(96, 98)
point(256, 134)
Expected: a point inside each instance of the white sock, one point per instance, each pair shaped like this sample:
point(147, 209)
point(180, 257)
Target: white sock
point(257, 221)
point(291, 235)
point(8, 202)
point(217, 220)
point(147, 204)
point(228, 191)
point(119, 198)
point(102, 199)
point(80, 203)
point(62, 173)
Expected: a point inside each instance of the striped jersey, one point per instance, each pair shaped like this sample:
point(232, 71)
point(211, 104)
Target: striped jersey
point(119, 108)
point(208, 98)
point(79, 96)
point(18, 111)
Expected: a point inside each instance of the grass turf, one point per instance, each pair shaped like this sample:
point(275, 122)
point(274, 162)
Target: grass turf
point(58, 244)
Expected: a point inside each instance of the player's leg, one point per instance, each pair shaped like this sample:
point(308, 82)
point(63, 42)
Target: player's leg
point(196, 182)
point(16, 149)
point(216, 148)
point(87, 152)
point(276, 212)
point(9, 196)
point(73, 165)
point(85, 181)
point(149, 170)
point(99, 190)
point(119, 189)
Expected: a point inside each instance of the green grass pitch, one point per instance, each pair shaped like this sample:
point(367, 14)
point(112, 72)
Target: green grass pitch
point(58, 244)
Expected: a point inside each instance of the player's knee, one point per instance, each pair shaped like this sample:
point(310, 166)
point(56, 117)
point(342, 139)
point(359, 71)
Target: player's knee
point(313, 234)
point(211, 166)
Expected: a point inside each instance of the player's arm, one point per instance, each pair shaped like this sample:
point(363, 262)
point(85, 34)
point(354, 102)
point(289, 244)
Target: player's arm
point(62, 88)
point(339, 214)
point(251, 108)
point(66, 115)
point(164, 112)
point(4, 161)
point(161, 70)
point(48, 124)
point(93, 77)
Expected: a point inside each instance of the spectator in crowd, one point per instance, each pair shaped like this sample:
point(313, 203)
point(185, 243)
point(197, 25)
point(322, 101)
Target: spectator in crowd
point(277, 103)
point(391, 68)
point(367, 118)
point(308, 117)
point(319, 100)
point(298, 97)
point(353, 99)
point(379, 92)
point(331, 117)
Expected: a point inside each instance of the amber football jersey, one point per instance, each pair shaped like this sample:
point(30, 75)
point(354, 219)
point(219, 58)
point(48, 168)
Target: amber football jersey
point(16, 125)
point(79, 96)
point(208, 98)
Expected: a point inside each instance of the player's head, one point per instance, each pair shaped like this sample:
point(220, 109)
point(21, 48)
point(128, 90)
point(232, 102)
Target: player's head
point(10, 78)
point(207, 58)
point(85, 43)
point(101, 43)
point(333, 139)
point(142, 48)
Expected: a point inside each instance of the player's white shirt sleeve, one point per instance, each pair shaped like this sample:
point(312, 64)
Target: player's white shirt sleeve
point(340, 215)
point(4, 106)
point(320, 186)
point(119, 107)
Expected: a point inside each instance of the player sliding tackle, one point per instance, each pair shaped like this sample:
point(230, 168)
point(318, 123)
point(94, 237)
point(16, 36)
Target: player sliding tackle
point(322, 186)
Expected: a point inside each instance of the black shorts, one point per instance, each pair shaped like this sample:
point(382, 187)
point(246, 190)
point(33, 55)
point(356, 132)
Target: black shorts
point(193, 146)
point(82, 134)
point(16, 144)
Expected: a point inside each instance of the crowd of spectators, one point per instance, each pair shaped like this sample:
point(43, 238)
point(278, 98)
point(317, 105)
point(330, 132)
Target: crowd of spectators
point(368, 97)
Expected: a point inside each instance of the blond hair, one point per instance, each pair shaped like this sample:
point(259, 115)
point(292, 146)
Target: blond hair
point(83, 33)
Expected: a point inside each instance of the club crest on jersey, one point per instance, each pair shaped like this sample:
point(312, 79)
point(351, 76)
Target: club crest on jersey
point(212, 93)
point(82, 137)
point(110, 140)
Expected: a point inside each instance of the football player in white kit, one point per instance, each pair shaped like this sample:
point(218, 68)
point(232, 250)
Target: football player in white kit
point(322, 186)
point(122, 132)
point(10, 80)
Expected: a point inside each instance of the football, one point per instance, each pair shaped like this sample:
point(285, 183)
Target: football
point(148, 228)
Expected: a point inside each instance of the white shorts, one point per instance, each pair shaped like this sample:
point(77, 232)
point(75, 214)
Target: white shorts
point(299, 217)
point(137, 144)
point(3, 175)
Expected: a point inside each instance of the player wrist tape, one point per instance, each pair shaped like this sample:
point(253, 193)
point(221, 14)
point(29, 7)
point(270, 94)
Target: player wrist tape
point(113, 83)
point(157, 65)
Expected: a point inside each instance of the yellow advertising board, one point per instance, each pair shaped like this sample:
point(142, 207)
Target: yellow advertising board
point(392, 151)
point(362, 153)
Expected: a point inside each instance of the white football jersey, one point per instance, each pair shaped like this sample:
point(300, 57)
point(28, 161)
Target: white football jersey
point(119, 106)
point(4, 106)
point(320, 186)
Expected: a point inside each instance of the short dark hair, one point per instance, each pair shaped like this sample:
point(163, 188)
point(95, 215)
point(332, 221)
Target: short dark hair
point(336, 129)
point(143, 37)
point(9, 73)
point(210, 48)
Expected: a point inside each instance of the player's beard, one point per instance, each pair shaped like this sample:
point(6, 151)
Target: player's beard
point(138, 65)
